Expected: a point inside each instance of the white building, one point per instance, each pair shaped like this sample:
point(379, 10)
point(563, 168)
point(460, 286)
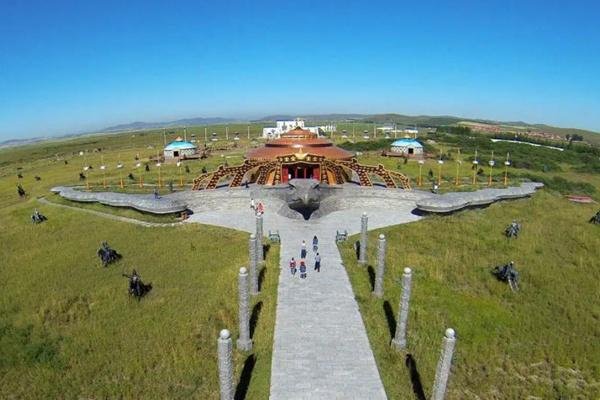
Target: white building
point(179, 149)
point(285, 126)
point(407, 147)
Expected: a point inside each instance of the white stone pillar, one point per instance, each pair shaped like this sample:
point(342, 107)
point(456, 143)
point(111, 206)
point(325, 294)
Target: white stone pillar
point(244, 342)
point(399, 341)
point(378, 287)
point(225, 347)
point(259, 239)
point(252, 249)
point(363, 239)
point(442, 372)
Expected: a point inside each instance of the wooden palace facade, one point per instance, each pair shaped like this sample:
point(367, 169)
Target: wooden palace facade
point(299, 154)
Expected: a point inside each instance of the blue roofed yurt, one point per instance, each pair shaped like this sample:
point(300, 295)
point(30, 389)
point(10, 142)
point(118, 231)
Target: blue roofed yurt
point(407, 147)
point(179, 149)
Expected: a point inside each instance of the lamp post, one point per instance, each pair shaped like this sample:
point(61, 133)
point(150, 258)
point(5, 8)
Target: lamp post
point(440, 163)
point(103, 168)
point(421, 162)
point(506, 165)
point(491, 163)
point(180, 175)
point(139, 164)
point(458, 162)
point(120, 167)
point(87, 178)
point(475, 167)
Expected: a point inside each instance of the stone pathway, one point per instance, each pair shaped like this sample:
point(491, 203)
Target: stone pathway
point(321, 349)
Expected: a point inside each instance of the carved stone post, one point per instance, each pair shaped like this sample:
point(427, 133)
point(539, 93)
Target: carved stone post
point(244, 342)
point(363, 239)
point(442, 372)
point(399, 341)
point(225, 347)
point(252, 248)
point(378, 289)
point(259, 239)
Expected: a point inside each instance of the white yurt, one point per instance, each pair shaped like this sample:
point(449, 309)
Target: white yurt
point(179, 148)
point(407, 147)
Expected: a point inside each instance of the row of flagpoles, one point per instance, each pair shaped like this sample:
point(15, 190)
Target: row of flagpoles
point(475, 168)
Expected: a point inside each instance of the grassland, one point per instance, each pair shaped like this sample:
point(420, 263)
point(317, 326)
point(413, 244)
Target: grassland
point(68, 329)
point(540, 342)
point(67, 326)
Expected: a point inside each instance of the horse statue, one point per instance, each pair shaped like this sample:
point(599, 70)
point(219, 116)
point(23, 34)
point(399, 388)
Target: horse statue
point(37, 217)
point(512, 230)
point(137, 288)
point(595, 219)
point(508, 273)
point(21, 191)
point(107, 255)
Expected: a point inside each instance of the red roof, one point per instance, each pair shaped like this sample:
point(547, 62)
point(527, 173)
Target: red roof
point(299, 141)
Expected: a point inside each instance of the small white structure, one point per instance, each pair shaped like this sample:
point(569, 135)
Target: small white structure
point(407, 147)
point(179, 149)
point(282, 127)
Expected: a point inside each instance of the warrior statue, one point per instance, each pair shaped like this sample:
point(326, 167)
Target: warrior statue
point(137, 288)
point(512, 230)
point(107, 255)
point(508, 273)
point(37, 217)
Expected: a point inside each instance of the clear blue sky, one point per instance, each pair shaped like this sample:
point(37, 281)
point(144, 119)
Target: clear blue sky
point(81, 65)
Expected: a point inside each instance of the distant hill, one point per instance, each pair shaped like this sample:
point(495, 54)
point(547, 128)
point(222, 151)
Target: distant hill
point(136, 126)
point(400, 119)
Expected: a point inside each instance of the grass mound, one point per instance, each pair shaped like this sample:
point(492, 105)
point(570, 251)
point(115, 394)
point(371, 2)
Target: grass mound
point(539, 342)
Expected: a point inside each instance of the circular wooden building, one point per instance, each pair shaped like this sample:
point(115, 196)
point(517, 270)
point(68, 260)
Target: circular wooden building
point(299, 154)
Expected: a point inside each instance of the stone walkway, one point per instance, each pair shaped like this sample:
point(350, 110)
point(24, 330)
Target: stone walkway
point(321, 349)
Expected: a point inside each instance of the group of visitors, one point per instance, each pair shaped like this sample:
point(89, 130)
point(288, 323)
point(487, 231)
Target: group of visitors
point(259, 208)
point(294, 267)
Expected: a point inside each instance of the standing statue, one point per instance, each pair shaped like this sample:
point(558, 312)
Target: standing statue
point(107, 255)
point(508, 273)
point(512, 230)
point(137, 288)
point(37, 217)
point(21, 191)
point(595, 219)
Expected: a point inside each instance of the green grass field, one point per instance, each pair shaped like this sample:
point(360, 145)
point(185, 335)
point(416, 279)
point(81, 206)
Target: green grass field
point(69, 330)
point(541, 342)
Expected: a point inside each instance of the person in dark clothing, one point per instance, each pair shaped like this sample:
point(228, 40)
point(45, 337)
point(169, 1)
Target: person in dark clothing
point(302, 269)
point(315, 243)
point(318, 263)
point(293, 266)
point(303, 250)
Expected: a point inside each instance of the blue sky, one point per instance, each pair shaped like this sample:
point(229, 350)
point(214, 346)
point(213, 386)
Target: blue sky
point(83, 65)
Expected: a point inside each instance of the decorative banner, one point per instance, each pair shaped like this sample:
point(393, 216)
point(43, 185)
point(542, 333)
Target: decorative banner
point(119, 165)
point(86, 168)
point(440, 162)
point(158, 164)
point(103, 167)
point(138, 165)
point(179, 163)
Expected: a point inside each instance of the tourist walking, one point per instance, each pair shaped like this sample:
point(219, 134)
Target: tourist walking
point(302, 269)
point(318, 263)
point(303, 250)
point(293, 266)
point(156, 196)
point(315, 243)
point(252, 204)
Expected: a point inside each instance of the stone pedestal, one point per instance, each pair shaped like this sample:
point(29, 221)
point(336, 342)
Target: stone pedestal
point(253, 260)
point(363, 239)
point(244, 342)
point(259, 239)
point(224, 346)
point(399, 341)
point(442, 372)
point(378, 287)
